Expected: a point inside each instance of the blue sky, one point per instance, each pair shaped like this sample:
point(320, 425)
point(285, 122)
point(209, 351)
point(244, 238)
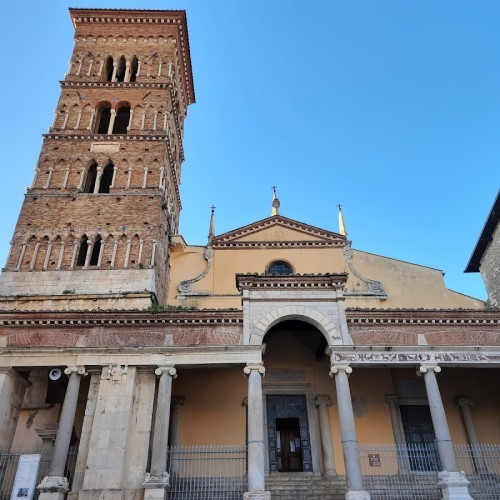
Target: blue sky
point(391, 108)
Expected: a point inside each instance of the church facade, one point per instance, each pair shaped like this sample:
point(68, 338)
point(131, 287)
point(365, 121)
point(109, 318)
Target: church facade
point(276, 356)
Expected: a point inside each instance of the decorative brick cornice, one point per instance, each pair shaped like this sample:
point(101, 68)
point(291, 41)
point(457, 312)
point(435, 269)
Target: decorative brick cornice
point(126, 17)
point(75, 84)
point(119, 318)
point(421, 317)
point(105, 137)
point(292, 281)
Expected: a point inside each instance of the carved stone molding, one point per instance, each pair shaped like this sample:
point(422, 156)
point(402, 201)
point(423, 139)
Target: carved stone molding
point(185, 286)
point(374, 287)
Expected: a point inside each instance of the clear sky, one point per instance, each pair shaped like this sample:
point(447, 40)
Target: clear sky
point(389, 107)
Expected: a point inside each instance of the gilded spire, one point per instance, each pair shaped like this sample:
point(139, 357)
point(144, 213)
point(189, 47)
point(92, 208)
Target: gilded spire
point(211, 231)
point(342, 229)
point(276, 203)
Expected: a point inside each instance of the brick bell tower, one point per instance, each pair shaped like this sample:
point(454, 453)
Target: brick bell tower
point(94, 228)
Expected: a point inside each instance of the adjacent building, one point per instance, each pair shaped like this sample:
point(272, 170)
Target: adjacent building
point(275, 360)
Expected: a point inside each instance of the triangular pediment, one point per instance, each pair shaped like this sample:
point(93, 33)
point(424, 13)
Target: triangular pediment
point(278, 231)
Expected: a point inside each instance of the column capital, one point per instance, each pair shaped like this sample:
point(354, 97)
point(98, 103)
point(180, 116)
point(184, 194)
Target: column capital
point(428, 368)
point(334, 369)
point(80, 370)
point(259, 367)
point(170, 370)
point(391, 398)
point(463, 401)
point(323, 400)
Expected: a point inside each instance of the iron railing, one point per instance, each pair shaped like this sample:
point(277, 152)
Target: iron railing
point(207, 472)
point(409, 472)
point(8, 468)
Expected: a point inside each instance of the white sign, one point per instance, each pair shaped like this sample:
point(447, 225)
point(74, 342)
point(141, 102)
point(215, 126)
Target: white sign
point(25, 482)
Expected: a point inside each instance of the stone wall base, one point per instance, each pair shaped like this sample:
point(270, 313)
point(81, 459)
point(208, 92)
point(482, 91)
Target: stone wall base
point(454, 486)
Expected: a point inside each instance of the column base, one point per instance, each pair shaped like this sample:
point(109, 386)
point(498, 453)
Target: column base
point(257, 495)
point(155, 487)
point(53, 488)
point(357, 495)
point(453, 485)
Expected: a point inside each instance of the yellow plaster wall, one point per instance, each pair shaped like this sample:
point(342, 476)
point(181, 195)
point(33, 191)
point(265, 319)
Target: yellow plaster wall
point(212, 413)
point(407, 285)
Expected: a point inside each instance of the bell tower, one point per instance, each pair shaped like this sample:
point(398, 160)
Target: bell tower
point(94, 228)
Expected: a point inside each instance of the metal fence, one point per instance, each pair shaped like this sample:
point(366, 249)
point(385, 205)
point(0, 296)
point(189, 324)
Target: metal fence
point(481, 465)
point(8, 469)
point(409, 472)
point(207, 472)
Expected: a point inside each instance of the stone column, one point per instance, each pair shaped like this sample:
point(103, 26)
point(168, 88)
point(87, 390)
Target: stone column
point(464, 405)
point(157, 480)
point(323, 403)
point(255, 434)
point(453, 484)
point(55, 485)
point(112, 121)
point(98, 180)
point(348, 432)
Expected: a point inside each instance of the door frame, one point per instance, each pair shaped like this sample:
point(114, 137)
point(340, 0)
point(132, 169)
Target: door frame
point(295, 389)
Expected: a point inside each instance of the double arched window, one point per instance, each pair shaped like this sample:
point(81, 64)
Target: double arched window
point(104, 181)
point(112, 121)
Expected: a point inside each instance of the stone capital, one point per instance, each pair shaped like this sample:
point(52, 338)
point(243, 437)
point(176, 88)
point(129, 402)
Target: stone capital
point(259, 367)
point(169, 370)
point(323, 400)
point(462, 401)
point(428, 368)
point(80, 370)
point(391, 399)
point(53, 484)
point(334, 369)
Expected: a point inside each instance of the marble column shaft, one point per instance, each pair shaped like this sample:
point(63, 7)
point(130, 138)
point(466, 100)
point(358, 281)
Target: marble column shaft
point(66, 422)
point(256, 448)
point(162, 420)
point(438, 415)
point(347, 428)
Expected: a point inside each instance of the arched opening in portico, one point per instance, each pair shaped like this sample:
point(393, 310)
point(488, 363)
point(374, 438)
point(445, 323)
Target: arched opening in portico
point(297, 369)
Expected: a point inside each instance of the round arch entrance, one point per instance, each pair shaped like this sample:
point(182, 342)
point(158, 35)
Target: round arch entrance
point(295, 359)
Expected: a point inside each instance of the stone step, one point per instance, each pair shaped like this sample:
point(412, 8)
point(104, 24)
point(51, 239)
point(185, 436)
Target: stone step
point(288, 486)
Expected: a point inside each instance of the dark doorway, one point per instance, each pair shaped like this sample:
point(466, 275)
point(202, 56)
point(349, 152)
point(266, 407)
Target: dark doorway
point(288, 434)
point(288, 445)
point(420, 437)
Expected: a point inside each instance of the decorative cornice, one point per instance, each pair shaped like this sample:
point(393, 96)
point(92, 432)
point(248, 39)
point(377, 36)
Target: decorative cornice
point(325, 237)
point(105, 137)
point(292, 281)
point(424, 317)
point(236, 245)
point(118, 318)
point(80, 84)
